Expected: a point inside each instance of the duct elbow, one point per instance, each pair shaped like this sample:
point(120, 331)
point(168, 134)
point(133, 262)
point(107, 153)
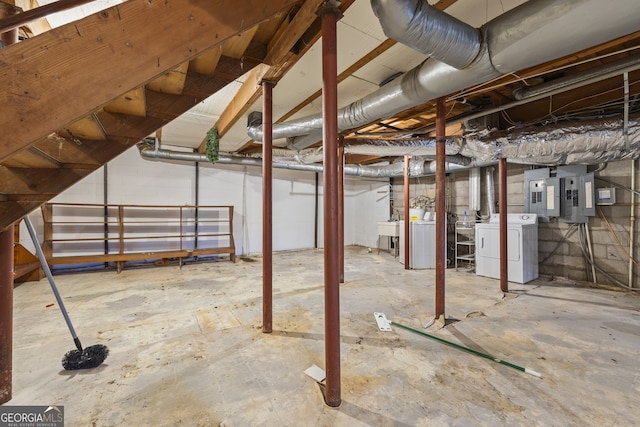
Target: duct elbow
point(254, 126)
point(428, 30)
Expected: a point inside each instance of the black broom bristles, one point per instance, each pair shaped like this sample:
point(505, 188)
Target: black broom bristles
point(90, 357)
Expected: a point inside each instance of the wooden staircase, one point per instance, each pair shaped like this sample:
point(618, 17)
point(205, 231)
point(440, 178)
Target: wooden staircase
point(77, 96)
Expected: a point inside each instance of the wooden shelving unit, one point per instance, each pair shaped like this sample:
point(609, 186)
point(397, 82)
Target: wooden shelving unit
point(89, 233)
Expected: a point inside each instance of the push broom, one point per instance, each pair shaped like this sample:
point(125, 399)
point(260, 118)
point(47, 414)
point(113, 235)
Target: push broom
point(384, 325)
point(79, 358)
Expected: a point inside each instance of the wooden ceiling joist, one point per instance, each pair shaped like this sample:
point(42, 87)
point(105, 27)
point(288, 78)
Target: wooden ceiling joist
point(241, 102)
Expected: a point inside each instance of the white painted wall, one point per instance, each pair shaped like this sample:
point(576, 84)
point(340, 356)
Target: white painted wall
point(366, 202)
point(370, 205)
point(132, 180)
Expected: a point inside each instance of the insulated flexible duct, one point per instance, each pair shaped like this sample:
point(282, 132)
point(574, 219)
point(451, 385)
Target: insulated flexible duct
point(528, 35)
point(418, 167)
point(428, 30)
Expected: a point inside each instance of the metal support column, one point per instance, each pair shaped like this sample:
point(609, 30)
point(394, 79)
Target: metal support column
point(7, 37)
point(267, 206)
point(330, 14)
point(441, 215)
point(9, 34)
point(6, 313)
point(13, 22)
point(406, 213)
point(502, 207)
point(341, 207)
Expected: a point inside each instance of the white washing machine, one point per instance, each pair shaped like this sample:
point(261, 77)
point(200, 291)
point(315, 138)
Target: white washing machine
point(422, 244)
point(522, 247)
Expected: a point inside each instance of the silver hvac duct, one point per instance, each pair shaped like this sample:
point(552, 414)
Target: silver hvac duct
point(590, 142)
point(428, 30)
point(528, 35)
point(491, 191)
point(417, 167)
point(474, 189)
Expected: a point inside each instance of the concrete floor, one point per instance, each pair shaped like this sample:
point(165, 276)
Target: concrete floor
point(187, 348)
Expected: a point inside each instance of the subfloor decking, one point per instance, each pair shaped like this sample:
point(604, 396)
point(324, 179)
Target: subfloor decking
point(187, 348)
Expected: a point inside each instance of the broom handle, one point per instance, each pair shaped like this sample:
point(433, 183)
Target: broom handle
point(47, 271)
point(470, 350)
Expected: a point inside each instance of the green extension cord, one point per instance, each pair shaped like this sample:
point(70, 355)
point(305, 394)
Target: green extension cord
point(213, 145)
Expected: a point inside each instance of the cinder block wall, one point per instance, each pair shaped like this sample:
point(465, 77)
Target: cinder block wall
point(560, 252)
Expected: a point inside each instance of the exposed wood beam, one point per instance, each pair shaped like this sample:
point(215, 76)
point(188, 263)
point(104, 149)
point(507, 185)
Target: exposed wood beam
point(374, 53)
point(377, 51)
point(241, 102)
point(361, 159)
point(288, 34)
point(294, 30)
point(287, 58)
point(149, 37)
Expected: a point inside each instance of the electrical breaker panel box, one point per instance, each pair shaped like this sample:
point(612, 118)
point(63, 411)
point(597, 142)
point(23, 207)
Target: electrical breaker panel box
point(535, 192)
point(577, 198)
point(569, 195)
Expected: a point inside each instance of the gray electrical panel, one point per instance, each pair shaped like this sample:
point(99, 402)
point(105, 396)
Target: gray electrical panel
point(570, 195)
point(577, 189)
point(535, 194)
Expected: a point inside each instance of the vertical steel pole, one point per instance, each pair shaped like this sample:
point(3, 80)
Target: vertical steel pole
point(11, 36)
point(502, 206)
point(406, 213)
point(6, 262)
point(441, 215)
point(267, 206)
point(341, 207)
point(330, 14)
point(6, 313)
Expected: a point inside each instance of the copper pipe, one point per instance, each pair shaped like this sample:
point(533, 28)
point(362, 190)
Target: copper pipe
point(267, 207)
point(341, 207)
point(502, 207)
point(6, 313)
point(330, 14)
point(8, 36)
point(23, 18)
point(406, 213)
point(441, 217)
